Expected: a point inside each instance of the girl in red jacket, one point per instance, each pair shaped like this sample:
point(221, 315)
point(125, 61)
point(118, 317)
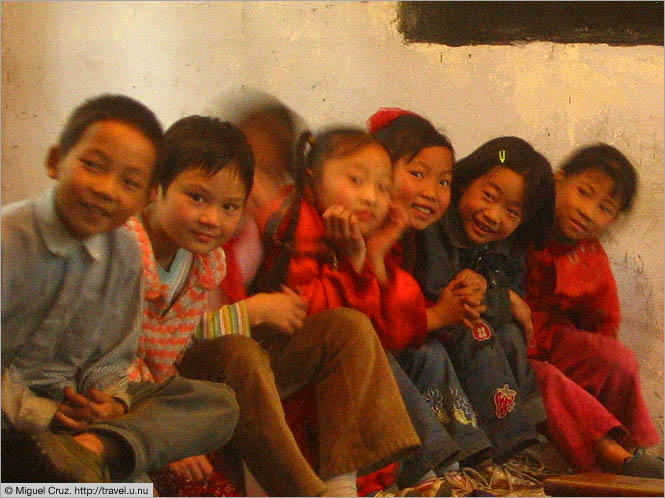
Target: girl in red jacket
point(573, 297)
point(331, 242)
point(344, 196)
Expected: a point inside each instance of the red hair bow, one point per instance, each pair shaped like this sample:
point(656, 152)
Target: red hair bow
point(384, 117)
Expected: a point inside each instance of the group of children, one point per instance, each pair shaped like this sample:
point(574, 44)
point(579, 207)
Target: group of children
point(167, 295)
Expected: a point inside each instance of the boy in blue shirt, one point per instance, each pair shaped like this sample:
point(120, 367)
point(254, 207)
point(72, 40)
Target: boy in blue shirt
point(71, 314)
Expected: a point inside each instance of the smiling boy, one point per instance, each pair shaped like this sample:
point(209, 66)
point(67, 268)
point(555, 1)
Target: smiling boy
point(205, 174)
point(71, 302)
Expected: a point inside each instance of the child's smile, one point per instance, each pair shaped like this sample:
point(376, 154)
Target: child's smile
point(360, 182)
point(422, 185)
point(198, 212)
point(491, 207)
point(585, 204)
point(103, 179)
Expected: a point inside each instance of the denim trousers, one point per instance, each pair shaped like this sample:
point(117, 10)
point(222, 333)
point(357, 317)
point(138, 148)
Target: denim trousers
point(166, 422)
point(173, 420)
point(438, 448)
point(362, 422)
point(499, 384)
point(443, 400)
point(514, 347)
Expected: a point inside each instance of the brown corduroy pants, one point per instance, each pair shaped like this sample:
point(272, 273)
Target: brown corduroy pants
point(363, 424)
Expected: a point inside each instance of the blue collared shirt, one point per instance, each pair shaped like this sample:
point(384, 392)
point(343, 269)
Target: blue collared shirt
point(71, 311)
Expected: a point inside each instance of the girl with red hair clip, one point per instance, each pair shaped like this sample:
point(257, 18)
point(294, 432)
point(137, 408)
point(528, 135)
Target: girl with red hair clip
point(507, 412)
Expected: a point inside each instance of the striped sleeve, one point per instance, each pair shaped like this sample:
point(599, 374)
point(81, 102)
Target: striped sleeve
point(229, 319)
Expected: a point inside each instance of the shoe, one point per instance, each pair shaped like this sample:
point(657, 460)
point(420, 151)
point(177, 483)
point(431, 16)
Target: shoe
point(642, 464)
point(505, 476)
point(60, 458)
point(528, 466)
point(428, 487)
point(466, 481)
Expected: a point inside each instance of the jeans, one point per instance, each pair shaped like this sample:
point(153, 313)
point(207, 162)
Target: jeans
point(173, 420)
point(166, 422)
point(431, 372)
point(437, 447)
point(507, 410)
point(514, 346)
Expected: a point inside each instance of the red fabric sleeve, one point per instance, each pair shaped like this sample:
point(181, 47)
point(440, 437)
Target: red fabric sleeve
point(397, 310)
point(571, 287)
point(600, 311)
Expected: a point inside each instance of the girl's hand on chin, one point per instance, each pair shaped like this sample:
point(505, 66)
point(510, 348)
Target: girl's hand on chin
point(343, 231)
point(392, 229)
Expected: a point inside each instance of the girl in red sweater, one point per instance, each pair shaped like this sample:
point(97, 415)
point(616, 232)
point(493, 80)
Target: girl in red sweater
point(575, 305)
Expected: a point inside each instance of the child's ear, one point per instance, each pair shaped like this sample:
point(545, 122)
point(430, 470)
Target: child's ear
point(52, 161)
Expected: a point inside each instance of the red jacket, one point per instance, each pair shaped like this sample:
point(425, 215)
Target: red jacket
point(570, 286)
point(396, 309)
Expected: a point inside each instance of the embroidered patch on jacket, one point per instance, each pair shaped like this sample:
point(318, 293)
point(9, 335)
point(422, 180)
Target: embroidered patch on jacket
point(481, 331)
point(504, 401)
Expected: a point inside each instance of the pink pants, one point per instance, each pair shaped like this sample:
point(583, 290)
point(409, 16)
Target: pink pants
point(591, 385)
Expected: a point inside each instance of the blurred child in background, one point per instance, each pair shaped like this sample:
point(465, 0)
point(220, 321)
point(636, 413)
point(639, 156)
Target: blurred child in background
point(575, 347)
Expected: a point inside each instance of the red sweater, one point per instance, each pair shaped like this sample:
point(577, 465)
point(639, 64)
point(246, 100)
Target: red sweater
point(397, 309)
point(570, 286)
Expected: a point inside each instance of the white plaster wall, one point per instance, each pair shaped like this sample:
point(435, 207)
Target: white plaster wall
point(337, 62)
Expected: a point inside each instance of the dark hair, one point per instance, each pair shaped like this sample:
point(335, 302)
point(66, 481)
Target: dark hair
point(517, 155)
point(311, 154)
point(408, 134)
point(610, 161)
point(332, 143)
point(207, 143)
point(109, 107)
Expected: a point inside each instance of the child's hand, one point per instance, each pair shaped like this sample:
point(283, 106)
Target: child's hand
point(452, 309)
point(381, 241)
point(78, 411)
point(342, 229)
point(521, 314)
point(195, 469)
point(469, 283)
point(284, 310)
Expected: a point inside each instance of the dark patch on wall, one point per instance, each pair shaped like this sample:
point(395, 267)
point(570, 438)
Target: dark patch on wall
point(502, 23)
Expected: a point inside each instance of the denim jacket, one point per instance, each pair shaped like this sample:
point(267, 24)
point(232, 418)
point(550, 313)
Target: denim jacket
point(444, 250)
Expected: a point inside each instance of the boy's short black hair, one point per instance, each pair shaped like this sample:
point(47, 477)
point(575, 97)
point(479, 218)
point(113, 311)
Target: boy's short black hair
point(109, 107)
point(610, 161)
point(207, 143)
point(519, 156)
